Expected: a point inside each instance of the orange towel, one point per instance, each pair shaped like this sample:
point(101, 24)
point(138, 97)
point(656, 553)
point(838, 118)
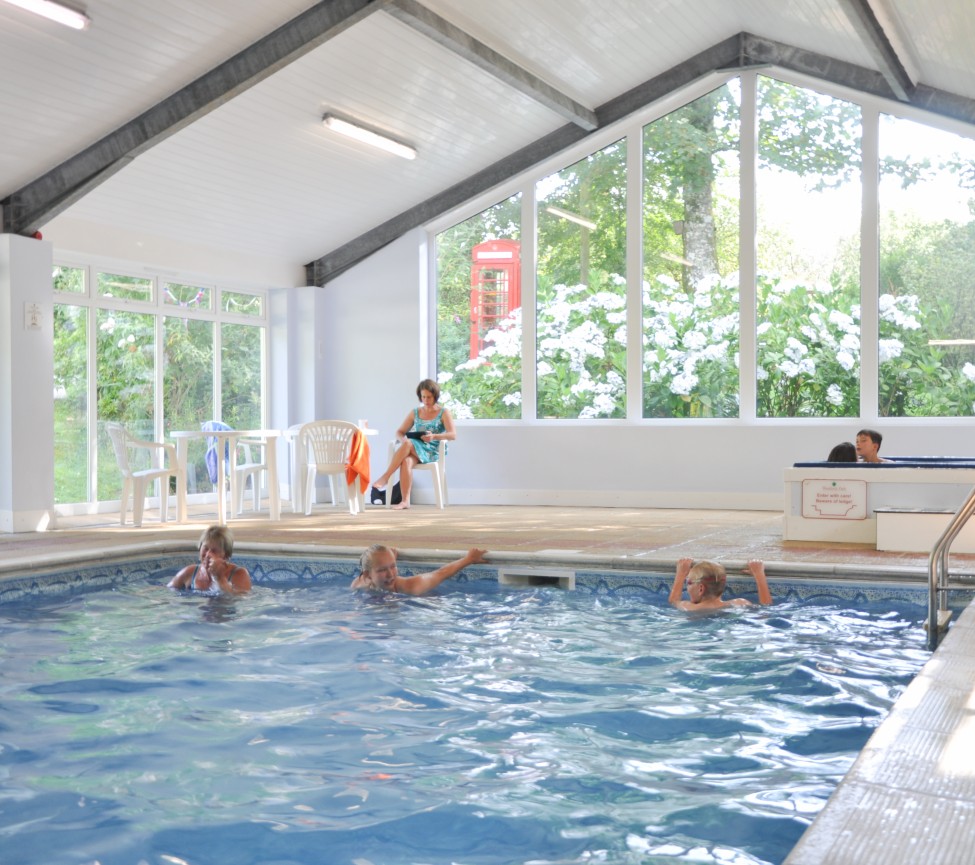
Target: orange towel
point(358, 463)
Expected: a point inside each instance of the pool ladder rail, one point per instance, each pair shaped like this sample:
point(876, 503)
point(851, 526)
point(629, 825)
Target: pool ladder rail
point(939, 616)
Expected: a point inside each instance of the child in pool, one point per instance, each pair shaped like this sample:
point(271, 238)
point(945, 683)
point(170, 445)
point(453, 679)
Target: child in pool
point(214, 573)
point(705, 585)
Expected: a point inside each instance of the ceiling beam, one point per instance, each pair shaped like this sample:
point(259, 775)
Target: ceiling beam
point(744, 51)
point(327, 268)
point(37, 203)
point(463, 44)
point(865, 16)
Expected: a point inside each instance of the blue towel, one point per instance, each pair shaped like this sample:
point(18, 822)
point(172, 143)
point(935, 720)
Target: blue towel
point(211, 455)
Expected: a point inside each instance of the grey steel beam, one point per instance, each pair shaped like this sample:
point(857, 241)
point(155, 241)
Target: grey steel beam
point(484, 57)
point(328, 267)
point(872, 34)
point(744, 51)
point(42, 199)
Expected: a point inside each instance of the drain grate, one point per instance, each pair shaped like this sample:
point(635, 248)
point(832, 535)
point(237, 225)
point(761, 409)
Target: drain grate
point(558, 579)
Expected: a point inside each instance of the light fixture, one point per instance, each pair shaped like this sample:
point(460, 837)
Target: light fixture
point(354, 129)
point(55, 11)
point(572, 217)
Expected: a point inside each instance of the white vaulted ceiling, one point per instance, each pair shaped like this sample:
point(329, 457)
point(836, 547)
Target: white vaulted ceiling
point(255, 172)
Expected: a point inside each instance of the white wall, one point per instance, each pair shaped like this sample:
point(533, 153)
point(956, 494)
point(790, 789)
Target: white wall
point(26, 384)
point(374, 355)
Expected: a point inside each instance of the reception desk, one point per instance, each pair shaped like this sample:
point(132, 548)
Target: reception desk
point(913, 498)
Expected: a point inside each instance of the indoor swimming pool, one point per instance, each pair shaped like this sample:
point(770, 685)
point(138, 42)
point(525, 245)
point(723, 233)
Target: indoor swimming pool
point(484, 724)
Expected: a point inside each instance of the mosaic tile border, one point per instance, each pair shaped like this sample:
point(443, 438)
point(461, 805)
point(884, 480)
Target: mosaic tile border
point(291, 569)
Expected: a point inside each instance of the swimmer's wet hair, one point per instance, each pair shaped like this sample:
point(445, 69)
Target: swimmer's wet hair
point(366, 559)
point(711, 575)
point(218, 535)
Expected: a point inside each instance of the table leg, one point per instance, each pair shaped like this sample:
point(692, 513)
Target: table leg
point(182, 448)
point(274, 491)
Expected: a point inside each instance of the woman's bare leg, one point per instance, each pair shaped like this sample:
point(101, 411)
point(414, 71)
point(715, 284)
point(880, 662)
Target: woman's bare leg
point(406, 481)
point(400, 454)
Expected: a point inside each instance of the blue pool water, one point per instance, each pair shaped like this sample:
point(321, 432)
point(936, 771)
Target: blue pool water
point(482, 725)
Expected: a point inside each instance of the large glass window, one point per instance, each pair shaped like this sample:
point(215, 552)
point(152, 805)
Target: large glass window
point(71, 475)
point(242, 366)
point(788, 260)
point(808, 289)
point(147, 336)
point(927, 270)
point(690, 245)
point(479, 313)
point(580, 288)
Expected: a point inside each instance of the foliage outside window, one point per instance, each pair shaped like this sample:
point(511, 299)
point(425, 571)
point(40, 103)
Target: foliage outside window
point(580, 298)
point(480, 373)
point(241, 365)
point(70, 400)
point(125, 384)
point(239, 303)
point(807, 286)
point(808, 289)
point(124, 287)
point(129, 366)
point(188, 296)
point(690, 243)
point(927, 271)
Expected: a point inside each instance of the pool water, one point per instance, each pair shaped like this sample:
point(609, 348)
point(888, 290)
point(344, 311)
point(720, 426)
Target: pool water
point(484, 725)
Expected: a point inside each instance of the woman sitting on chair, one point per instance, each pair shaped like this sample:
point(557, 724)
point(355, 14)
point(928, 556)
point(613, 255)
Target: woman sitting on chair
point(419, 438)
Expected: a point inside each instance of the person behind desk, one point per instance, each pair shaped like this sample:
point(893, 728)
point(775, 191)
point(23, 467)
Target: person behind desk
point(706, 582)
point(868, 446)
point(214, 574)
point(844, 452)
point(428, 425)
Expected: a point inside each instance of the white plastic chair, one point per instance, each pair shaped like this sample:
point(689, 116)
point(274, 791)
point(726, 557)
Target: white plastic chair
point(437, 469)
point(135, 482)
point(326, 446)
point(249, 467)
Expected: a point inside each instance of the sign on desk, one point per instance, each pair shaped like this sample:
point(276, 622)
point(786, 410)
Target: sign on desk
point(834, 499)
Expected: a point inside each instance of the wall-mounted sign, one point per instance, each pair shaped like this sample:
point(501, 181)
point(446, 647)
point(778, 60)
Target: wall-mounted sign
point(834, 499)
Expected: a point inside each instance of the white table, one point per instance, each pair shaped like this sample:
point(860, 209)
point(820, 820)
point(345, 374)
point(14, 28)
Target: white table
point(227, 440)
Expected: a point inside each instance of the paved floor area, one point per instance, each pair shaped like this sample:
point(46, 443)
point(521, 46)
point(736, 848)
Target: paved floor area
point(910, 796)
point(658, 536)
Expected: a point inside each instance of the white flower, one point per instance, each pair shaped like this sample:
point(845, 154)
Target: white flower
point(795, 349)
point(683, 384)
point(850, 342)
point(889, 349)
point(763, 327)
point(544, 368)
point(834, 394)
point(444, 377)
point(845, 360)
point(512, 398)
point(694, 339)
point(968, 370)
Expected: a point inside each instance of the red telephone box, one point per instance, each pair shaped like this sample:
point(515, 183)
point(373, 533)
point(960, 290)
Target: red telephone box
point(495, 286)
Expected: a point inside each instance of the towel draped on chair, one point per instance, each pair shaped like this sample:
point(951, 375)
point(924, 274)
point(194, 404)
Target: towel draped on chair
point(358, 463)
point(211, 454)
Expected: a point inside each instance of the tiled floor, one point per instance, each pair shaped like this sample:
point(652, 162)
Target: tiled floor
point(909, 798)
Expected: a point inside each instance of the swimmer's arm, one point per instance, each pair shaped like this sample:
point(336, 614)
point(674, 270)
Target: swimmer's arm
point(231, 578)
point(423, 583)
point(181, 580)
point(677, 589)
point(757, 569)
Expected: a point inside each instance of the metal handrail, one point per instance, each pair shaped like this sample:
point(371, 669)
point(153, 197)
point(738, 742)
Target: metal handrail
point(938, 567)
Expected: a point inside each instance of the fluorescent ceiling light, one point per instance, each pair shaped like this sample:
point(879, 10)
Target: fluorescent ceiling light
point(572, 217)
point(354, 129)
point(55, 11)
